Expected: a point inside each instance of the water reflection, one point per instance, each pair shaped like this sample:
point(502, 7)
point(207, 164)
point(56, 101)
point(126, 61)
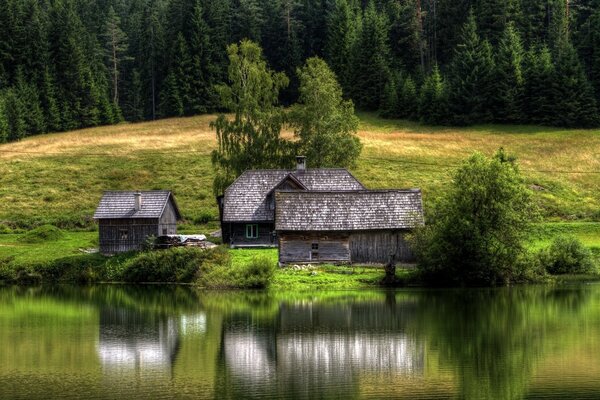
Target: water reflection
point(155, 342)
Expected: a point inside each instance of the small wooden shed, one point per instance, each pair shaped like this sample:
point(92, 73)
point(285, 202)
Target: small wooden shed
point(127, 218)
point(366, 226)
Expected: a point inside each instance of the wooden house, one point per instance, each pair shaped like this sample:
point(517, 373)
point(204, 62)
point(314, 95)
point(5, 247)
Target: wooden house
point(365, 226)
point(126, 219)
point(247, 208)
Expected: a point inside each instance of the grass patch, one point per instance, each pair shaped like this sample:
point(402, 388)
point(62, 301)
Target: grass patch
point(41, 234)
point(62, 182)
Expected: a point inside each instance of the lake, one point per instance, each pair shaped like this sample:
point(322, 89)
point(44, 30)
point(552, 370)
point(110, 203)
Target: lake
point(154, 342)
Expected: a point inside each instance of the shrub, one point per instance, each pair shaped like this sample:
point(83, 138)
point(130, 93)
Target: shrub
point(567, 255)
point(256, 274)
point(204, 218)
point(44, 233)
point(178, 264)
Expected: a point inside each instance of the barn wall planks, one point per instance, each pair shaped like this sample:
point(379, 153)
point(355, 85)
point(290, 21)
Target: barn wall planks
point(119, 235)
point(378, 246)
point(298, 247)
point(344, 247)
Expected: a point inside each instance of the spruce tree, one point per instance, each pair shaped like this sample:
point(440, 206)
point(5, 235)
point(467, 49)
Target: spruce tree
point(371, 60)
point(3, 120)
point(14, 111)
point(389, 105)
point(470, 74)
point(202, 97)
point(171, 99)
point(341, 39)
point(541, 87)
point(433, 100)
point(576, 103)
point(28, 97)
point(509, 77)
point(116, 49)
point(408, 99)
point(176, 101)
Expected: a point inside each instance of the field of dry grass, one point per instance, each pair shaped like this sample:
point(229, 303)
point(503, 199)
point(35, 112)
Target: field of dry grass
point(59, 178)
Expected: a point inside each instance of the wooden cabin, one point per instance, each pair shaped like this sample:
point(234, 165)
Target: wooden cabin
point(365, 226)
point(127, 219)
point(247, 209)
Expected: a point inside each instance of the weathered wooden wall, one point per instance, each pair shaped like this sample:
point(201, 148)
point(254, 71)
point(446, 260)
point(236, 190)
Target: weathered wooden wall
point(236, 233)
point(297, 247)
point(168, 221)
point(378, 246)
point(110, 231)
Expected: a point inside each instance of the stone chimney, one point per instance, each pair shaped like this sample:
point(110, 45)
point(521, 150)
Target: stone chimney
point(300, 163)
point(138, 201)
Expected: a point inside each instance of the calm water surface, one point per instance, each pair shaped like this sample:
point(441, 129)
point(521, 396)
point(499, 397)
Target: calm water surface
point(119, 342)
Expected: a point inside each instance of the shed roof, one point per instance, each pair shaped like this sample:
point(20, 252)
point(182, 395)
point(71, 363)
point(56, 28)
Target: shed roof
point(246, 199)
point(339, 211)
point(121, 204)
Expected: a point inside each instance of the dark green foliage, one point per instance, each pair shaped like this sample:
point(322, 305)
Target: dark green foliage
point(576, 103)
point(476, 233)
point(371, 63)
point(567, 255)
point(509, 81)
point(433, 100)
point(80, 63)
point(470, 77)
point(256, 274)
point(541, 90)
point(44, 233)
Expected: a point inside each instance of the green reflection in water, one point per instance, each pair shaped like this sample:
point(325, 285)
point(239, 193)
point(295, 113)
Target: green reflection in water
point(152, 341)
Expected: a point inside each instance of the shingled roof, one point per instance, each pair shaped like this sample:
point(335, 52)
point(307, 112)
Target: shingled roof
point(246, 199)
point(121, 204)
point(358, 210)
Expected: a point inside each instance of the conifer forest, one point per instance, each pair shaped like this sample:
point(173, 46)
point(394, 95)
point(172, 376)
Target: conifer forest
point(68, 64)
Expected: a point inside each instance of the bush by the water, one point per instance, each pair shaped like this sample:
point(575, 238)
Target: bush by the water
point(44, 233)
point(178, 264)
point(256, 274)
point(476, 233)
point(567, 255)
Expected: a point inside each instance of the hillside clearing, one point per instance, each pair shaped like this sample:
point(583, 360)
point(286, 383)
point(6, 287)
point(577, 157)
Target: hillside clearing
point(59, 178)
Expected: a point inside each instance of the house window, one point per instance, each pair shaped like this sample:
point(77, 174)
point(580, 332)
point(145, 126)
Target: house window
point(165, 231)
point(252, 231)
point(123, 234)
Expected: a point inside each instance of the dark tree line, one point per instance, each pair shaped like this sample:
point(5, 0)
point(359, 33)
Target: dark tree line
point(67, 64)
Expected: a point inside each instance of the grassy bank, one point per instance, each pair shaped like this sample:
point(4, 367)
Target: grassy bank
point(59, 178)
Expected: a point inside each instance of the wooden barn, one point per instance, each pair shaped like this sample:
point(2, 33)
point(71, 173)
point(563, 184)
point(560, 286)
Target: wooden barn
point(126, 219)
point(247, 209)
point(365, 226)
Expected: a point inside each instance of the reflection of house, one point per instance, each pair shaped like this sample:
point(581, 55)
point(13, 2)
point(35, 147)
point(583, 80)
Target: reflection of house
point(126, 219)
point(315, 349)
point(131, 341)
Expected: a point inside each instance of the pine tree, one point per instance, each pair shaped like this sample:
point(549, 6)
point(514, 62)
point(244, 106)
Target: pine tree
point(116, 49)
point(470, 74)
point(494, 15)
point(202, 97)
point(509, 77)
point(541, 91)
point(433, 100)
point(14, 111)
point(390, 103)
point(576, 104)
point(171, 99)
point(341, 40)
point(408, 99)
point(371, 60)
point(176, 101)
point(3, 120)
point(594, 44)
point(247, 21)
point(28, 97)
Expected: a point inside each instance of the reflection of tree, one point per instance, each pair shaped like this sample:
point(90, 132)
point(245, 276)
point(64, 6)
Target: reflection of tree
point(494, 338)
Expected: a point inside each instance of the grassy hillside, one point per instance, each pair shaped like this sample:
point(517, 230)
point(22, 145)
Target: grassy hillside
point(59, 178)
